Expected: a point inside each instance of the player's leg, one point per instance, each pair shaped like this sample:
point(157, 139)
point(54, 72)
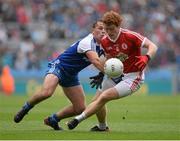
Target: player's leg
point(101, 116)
point(124, 89)
point(76, 95)
point(102, 124)
point(49, 85)
point(47, 90)
point(129, 85)
point(94, 107)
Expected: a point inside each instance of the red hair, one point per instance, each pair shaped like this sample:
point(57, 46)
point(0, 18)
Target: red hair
point(112, 18)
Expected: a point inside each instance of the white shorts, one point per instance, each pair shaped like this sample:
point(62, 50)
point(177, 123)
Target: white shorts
point(129, 84)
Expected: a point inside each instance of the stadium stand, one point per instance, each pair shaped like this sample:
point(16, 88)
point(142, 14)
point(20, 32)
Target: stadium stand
point(35, 31)
point(29, 26)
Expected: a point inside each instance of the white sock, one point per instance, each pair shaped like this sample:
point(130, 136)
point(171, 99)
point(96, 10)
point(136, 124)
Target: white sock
point(102, 126)
point(81, 117)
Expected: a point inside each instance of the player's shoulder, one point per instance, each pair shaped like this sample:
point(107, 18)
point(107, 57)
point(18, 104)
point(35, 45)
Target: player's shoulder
point(88, 37)
point(127, 31)
point(131, 34)
point(87, 43)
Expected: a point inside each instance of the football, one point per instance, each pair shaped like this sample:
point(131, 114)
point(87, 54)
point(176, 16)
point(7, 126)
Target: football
point(113, 67)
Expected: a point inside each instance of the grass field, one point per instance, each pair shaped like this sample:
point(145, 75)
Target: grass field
point(146, 117)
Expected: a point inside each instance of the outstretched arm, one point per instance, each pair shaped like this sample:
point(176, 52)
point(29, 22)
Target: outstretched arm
point(144, 59)
point(96, 80)
point(95, 60)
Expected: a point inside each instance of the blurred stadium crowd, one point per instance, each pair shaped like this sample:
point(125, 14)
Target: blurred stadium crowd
point(31, 31)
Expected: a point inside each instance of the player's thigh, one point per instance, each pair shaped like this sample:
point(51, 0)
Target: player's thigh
point(50, 83)
point(76, 95)
point(108, 95)
point(108, 92)
point(106, 84)
point(126, 88)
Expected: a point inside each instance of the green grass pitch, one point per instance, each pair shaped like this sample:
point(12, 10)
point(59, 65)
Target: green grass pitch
point(146, 118)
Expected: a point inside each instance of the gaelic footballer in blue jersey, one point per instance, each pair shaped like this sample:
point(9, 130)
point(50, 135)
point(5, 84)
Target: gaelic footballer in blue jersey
point(64, 71)
point(74, 59)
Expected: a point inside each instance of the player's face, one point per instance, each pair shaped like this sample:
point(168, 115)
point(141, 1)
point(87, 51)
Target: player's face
point(112, 31)
point(99, 31)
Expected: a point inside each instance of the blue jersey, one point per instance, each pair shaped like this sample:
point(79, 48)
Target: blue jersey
point(68, 64)
point(74, 59)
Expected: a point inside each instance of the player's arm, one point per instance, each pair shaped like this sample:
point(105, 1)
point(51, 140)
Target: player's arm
point(96, 81)
point(144, 59)
point(95, 60)
point(152, 48)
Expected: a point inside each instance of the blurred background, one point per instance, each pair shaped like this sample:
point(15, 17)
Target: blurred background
point(33, 32)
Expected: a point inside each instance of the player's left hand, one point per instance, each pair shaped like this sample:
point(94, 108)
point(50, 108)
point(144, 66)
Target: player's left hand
point(142, 61)
point(97, 80)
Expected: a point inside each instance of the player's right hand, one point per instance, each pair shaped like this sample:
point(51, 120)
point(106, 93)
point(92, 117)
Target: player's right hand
point(97, 80)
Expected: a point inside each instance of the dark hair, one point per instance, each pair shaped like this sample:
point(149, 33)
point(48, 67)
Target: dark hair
point(95, 23)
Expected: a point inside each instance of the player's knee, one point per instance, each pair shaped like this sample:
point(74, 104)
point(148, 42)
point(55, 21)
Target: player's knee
point(79, 110)
point(46, 93)
point(103, 98)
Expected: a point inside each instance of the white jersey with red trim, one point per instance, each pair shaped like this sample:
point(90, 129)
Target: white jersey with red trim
point(127, 45)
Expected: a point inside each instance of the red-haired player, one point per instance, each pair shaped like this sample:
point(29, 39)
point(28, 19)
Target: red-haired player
point(125, 45)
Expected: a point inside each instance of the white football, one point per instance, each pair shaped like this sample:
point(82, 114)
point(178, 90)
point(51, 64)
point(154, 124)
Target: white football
point(113, 67)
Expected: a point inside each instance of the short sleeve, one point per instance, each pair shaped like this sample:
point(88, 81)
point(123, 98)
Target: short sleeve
point(137, 38)
point(85, 44)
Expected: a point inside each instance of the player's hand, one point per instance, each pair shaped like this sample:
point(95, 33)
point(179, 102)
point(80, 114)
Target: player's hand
point(142, 61)
point(97, 80)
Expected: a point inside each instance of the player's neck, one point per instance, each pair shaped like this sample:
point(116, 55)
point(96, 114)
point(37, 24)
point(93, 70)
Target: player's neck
point(114, 38)
point(98, 42)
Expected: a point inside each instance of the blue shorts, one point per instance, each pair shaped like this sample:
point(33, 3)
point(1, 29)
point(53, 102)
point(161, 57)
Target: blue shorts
point(65, 79)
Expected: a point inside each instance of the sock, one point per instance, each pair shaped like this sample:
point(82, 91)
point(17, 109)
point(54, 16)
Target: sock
point(55, 118)
point(102, 126)
point(27, 106)
point(81, 117)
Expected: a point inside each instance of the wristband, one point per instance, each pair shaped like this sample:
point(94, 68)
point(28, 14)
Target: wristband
point(149, 58)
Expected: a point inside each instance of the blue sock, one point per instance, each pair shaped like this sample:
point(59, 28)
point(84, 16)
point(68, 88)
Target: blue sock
point(55, 118)
point(27, 106)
